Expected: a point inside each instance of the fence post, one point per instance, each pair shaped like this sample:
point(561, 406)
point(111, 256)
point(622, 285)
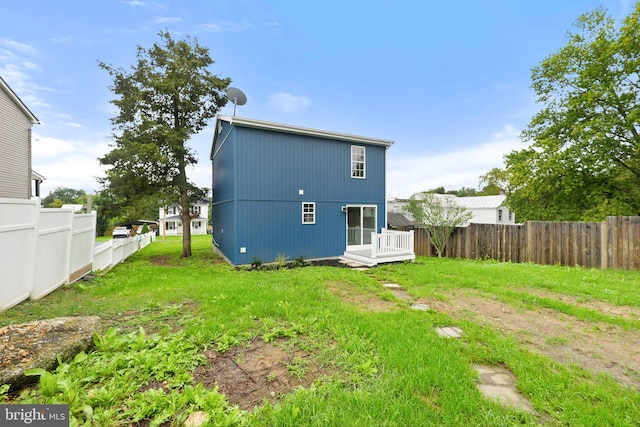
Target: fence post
point(31, 276)
point(411, 242)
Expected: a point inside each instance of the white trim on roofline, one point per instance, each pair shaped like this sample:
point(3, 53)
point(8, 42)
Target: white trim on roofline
point(16, 99)
point(260, 124)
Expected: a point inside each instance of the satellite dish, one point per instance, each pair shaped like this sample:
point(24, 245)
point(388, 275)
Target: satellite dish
point(236, 96)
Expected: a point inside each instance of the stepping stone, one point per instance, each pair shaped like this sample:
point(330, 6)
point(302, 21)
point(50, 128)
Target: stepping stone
point(392, 286)
point(420, 307)
point(449, 332)
point(360, 268)
point(498, 383)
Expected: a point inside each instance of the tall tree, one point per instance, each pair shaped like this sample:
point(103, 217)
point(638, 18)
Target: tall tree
point(168, 96)
point(64, 195)
point(583, 161)
point(438, 214)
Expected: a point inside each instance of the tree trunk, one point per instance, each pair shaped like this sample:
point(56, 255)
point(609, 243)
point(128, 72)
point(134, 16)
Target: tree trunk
point(186, 224)
point(185, 209)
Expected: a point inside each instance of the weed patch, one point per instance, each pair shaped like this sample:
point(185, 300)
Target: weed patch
point(132, 379)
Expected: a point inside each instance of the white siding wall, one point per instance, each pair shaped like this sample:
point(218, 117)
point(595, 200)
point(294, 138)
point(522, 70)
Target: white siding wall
point(15, 145)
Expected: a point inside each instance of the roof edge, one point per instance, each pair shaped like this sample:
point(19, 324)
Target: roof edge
point(260, 124)
point(16, 99)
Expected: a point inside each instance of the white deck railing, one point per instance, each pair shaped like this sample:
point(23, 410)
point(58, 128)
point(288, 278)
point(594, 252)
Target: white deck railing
point(391, 242)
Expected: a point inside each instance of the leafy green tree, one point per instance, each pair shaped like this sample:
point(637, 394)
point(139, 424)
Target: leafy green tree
point(464, 192)
point(168, 96)
point(583, 161)
point(64, 195)
point(438, 214)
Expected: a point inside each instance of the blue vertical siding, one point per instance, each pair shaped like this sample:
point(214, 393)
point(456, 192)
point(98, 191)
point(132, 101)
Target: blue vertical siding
point(223, 229)
point(278, 230)
point(257, 175)
point(274, 166)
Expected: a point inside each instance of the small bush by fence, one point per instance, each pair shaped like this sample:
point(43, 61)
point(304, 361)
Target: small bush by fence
point(614, 243)
point(42, 249)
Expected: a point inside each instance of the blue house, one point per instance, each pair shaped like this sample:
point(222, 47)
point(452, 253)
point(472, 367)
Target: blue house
point(287, 191)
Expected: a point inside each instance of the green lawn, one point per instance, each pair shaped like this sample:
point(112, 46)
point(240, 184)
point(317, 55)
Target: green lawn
point(381, 366)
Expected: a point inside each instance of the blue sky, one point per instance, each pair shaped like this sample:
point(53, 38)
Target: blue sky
point(449, 82)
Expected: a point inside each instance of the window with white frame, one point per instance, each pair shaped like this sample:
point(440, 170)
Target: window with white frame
point(171, 225)
point(357, 162)
point(308, 213)
point(499, 214)
point(172, 210)
point(196, 210)
point(197, 224)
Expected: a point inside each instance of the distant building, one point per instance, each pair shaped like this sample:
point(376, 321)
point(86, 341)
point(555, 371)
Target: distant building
point(488, 209)
point(484, 209)
point(170, 219)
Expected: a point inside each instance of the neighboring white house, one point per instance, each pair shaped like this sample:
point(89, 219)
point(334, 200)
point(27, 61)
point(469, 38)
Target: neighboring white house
point(16, 121)
point(171, 222)
point(484, 209)
point(488, 209)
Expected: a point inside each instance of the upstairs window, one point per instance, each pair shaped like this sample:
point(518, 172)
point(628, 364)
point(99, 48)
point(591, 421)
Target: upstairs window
point(357, 162)
point(196, 210)
point(308, 213)
point(499, 214)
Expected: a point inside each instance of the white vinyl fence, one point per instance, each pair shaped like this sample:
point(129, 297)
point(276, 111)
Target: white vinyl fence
point(42, 249)
point(108, 254)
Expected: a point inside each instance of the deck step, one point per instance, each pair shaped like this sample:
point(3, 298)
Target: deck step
point(351, 263)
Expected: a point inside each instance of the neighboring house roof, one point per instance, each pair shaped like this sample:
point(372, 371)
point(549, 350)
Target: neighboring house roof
point(278, 127)
point(482, 202)
point(397, 220)
point(36, 176)
point(18, 102)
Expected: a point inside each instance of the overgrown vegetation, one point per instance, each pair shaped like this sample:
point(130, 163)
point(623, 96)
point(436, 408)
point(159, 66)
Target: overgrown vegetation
point(581, 161)
point(385, 367)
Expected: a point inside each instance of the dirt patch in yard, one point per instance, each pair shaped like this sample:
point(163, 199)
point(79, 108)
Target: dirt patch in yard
point(623, 311)
point(595, 346)
point(363, 301)
point(163, 260)
point(259, 372)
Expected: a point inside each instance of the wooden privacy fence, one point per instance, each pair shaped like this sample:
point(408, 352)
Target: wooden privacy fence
point(614, 243)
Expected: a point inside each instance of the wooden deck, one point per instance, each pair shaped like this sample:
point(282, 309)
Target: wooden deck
point(364, 257)
point(388, 246)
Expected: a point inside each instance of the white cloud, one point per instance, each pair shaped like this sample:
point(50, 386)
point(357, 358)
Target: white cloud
point(68, 163)
point(15, 70)
point(288, 103)
point(74, 125)
point(45, 148)
point(220, 26)
point(133, 2)
point(167, 19)
point(452, 169)
point(18, 47)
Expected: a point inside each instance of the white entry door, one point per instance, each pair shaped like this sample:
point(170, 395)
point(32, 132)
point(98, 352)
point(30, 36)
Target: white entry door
point(361, 222)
